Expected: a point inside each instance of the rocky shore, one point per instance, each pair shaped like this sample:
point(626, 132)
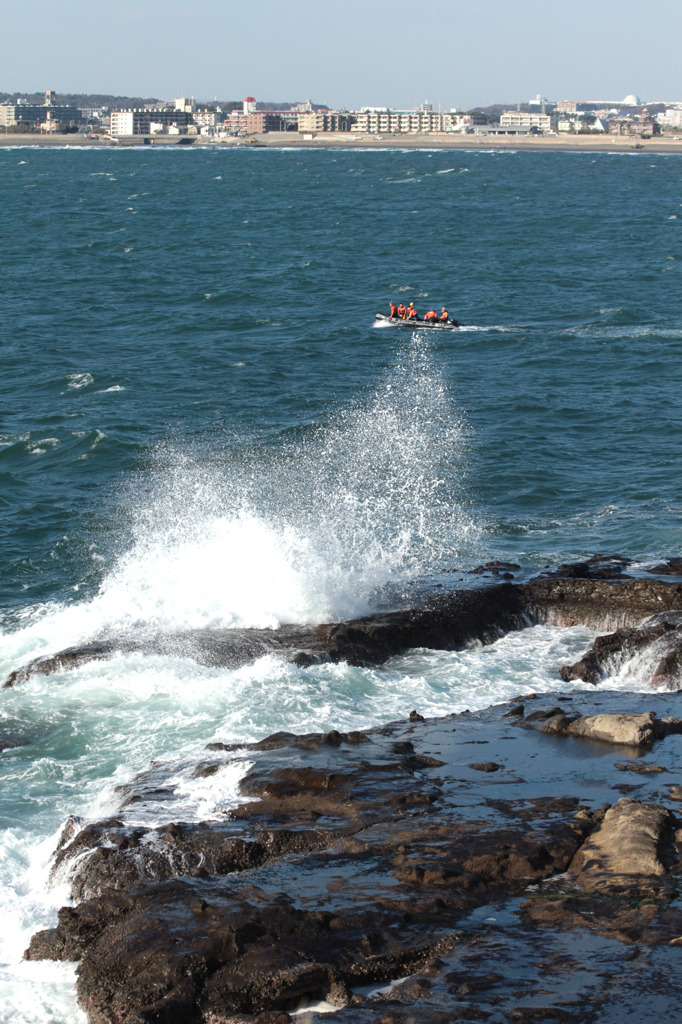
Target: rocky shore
point(517, 864)
point(598, 593)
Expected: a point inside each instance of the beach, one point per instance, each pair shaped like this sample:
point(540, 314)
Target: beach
point(351, 140)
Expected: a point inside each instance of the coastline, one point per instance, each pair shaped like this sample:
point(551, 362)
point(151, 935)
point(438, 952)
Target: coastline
point(404, 872)
point(346, 140)
point(200, 438)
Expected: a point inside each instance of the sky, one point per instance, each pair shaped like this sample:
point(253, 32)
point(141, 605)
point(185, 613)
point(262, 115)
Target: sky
point(347, 53)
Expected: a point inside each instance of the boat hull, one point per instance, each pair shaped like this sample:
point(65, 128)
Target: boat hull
point(413, 325)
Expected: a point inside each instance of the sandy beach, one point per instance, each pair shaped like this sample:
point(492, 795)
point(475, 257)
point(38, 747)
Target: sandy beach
point(601, 143)
point(350, 140)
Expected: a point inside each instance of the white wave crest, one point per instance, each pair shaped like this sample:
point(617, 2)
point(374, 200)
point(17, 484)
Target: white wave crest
point(78, 380)
point(312, 528)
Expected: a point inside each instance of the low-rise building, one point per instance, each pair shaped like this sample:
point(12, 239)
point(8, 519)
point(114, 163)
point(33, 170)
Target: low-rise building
point(579, 124)
point(325, 121)
point(520, 119)
point(265, 121)
point(644, 127)
point(374, 120)
point(205, 118)
point(235, 121)
point(138, 122)
point(500, 129)
point(92, 113)
point(35, 114)
point(574, 106)
point(671, 118)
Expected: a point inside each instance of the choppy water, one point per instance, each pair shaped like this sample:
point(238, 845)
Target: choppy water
point(200, 426)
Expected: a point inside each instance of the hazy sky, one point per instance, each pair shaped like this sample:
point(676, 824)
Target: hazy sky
point(347, 53)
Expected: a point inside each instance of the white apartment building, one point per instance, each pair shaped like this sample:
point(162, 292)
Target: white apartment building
point(371, 120)
point(129, 122)
point(517, 119)
point(205, 118)
point(138, 122)
point(671, 118)
point(185, 104)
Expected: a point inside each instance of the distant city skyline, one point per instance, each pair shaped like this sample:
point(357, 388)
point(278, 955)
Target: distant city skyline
point(377, 52)
point(110, 101)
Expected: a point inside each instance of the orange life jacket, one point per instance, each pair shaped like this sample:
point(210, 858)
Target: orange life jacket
point(402, 311)
point(412, 313)
point(394, 309)
point(444, 315)
point(431, 315)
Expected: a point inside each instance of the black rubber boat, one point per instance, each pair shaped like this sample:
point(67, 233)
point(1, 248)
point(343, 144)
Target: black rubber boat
point(413, 325)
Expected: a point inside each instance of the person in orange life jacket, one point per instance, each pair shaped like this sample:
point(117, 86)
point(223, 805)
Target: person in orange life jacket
point(402, 311)
point(444, 315)
point(431, 315)
point(412, 312)
point(394, 311)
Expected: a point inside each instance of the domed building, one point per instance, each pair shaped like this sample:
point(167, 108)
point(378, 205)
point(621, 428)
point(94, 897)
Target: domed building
point(632, 100)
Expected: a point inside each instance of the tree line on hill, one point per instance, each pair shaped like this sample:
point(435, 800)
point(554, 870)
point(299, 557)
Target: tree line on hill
point(96, 99)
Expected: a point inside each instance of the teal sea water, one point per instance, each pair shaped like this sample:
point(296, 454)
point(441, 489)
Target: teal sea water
point(200, 426)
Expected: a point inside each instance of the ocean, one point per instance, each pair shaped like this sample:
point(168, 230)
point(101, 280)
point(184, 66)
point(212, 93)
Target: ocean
point(201, 427)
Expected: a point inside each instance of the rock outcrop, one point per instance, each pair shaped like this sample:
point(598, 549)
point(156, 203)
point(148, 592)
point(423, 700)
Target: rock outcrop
point(359, 860)
point(394, 873)
point(625, 729)
point(597, 593)
point(634, 842)
point(659, 636)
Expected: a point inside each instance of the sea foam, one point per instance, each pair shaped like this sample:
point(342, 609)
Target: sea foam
point(323, 525)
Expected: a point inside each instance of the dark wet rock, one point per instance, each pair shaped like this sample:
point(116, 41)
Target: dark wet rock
point(66, 660)
point(605, 567)
point(445, 621)
point(622, 644)
point(662, 633)
point(486, 766)
point(357, 864)
point(352, 867)
point(111, 855)
point(497, 568)
point(211, 947)
point(670, 567)
point(668, 672)
point(7, 743)
point(544, 715)
point(597, 593)
point(641, 769)
point(675, 792)
point(598, 603)
point(634, 917)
